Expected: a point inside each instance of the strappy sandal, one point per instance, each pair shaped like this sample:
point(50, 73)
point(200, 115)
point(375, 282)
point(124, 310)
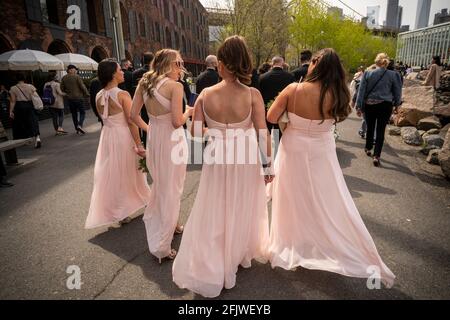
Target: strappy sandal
point(171, 256)
point(179, 229)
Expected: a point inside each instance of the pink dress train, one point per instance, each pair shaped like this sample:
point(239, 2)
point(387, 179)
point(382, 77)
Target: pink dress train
point(228, 225)
point(120, 189)
point(167, 155)
point(315, 223)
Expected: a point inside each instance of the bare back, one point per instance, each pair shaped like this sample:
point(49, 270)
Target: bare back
point(158, 107)
point(304, 101)
point(227, 103)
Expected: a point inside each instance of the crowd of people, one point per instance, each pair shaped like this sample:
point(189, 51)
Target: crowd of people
point(314, 223)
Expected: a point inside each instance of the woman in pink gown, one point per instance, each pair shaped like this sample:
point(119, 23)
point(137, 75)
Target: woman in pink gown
point(315, 223)
point(167, 150)
point(228, 225)
point(120, 189)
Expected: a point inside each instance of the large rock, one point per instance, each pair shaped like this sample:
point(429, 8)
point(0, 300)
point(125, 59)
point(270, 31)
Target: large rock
point(433, 157)
point(394, 131)
point(423, 74)
point(444, 130)
point(444, 156)
point(429, 123)
point(417, 104)
point(407, 83)
point(410, 135)
point(433, 131)
point(442, 110)
point(412, 76)
point(434, 140)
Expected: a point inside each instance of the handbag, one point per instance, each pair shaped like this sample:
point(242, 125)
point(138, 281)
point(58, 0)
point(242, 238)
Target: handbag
point(35, 100)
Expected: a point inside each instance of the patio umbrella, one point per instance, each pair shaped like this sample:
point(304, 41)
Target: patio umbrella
point(80, 61)
point(29, 60)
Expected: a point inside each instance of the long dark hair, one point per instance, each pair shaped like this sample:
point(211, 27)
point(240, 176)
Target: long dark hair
point(235, 55)
point(437, 60)
point(106, 70)
point(330, 73)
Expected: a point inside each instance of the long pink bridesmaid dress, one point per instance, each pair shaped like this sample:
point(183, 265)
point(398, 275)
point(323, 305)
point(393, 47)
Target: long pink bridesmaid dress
point(120, 189)
point(168, 170)
point(228, 225)
point(315, 223)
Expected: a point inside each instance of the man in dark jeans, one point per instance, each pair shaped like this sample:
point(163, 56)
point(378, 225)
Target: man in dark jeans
point(136, 77)
point(73, 86)
point(300, 73)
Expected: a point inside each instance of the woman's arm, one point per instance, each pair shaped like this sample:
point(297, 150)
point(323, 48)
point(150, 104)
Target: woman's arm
point(431, 75)
point(59, 91)
point(136, 107)
point(126, 102)
point(263, 135)
point(280, 104)
point(198, 118)
point(12, 104)
point(178, 117)
point(361, 92)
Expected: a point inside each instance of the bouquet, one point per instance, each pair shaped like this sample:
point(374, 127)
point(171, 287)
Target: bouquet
point(143, 165)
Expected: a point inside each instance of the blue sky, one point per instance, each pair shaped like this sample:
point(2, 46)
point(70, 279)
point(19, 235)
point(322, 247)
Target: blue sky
point(409, 8)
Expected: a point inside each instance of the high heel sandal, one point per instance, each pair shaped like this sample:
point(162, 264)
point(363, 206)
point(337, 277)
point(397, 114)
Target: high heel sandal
point(179, 229)
point(171, 256)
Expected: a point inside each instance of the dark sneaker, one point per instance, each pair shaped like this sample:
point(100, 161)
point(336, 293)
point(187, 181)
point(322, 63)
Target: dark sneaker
point(80, 130)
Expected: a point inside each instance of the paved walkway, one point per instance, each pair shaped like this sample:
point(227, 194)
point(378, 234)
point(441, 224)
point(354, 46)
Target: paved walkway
point(42, 218)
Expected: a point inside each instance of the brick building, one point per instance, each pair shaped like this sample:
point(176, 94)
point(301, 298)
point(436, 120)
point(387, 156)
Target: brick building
point(146, 25)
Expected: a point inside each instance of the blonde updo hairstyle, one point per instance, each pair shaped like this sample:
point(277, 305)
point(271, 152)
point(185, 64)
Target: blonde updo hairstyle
point(160, 67)
point(382, 60)
point(235, 56)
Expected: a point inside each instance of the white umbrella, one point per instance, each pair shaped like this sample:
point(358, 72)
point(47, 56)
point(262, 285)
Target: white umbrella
point(80, 61)
point(29, 60)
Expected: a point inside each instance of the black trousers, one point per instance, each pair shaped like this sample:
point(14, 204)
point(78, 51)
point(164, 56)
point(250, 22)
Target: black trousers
point(25, 123)
point(377, 115)
point(2, 168)
point(144, 116)
point(57, 116)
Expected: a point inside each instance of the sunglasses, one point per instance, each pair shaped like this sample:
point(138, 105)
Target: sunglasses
point(179, 64)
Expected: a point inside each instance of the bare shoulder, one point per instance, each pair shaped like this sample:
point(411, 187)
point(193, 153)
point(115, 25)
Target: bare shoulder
point(256, 94)
point(123, 95)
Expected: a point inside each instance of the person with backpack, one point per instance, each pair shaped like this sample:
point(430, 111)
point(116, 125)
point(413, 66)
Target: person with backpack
point(53, 97)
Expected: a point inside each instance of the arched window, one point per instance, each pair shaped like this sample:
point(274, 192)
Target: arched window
point(58, 47)
point(174, 15)
point(99, 53)
point(142, 25)
point(157, 32)
point(49, 9)
point(168, 38)
point(125, 23)
point(5, 44)
point(166, 10)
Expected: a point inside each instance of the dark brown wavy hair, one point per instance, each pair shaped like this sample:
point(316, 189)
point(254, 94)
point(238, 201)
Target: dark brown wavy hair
point(330, 73)
point(235, 55)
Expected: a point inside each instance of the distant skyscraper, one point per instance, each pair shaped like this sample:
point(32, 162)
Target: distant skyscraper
point(423, 13)
point(400, 16)
point(392, 14)
point(373, 14)
point(336, 11)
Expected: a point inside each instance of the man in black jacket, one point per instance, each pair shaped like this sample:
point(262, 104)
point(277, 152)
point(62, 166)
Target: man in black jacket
point(127, 66)
point(210, 76)
point(273, 82)
point(137, 75)
point(305, 59)
point(95, 88)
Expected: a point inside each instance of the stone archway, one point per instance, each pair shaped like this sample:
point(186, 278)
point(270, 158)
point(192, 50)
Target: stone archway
point(99, 53)
point(58, 47)
point(5, 44)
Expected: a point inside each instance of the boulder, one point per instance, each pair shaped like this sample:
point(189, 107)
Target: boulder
point(422, 75)
point(417, 104)
point(428, 148)
point(412, 76)
point(410, 135)
point(429, 123)
point(444, 156)
point(444, 131)
point(434, 140)
point(394, 131)
point(442, 110)
point(433, 157)
point(432, 131)
point(422, 132)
